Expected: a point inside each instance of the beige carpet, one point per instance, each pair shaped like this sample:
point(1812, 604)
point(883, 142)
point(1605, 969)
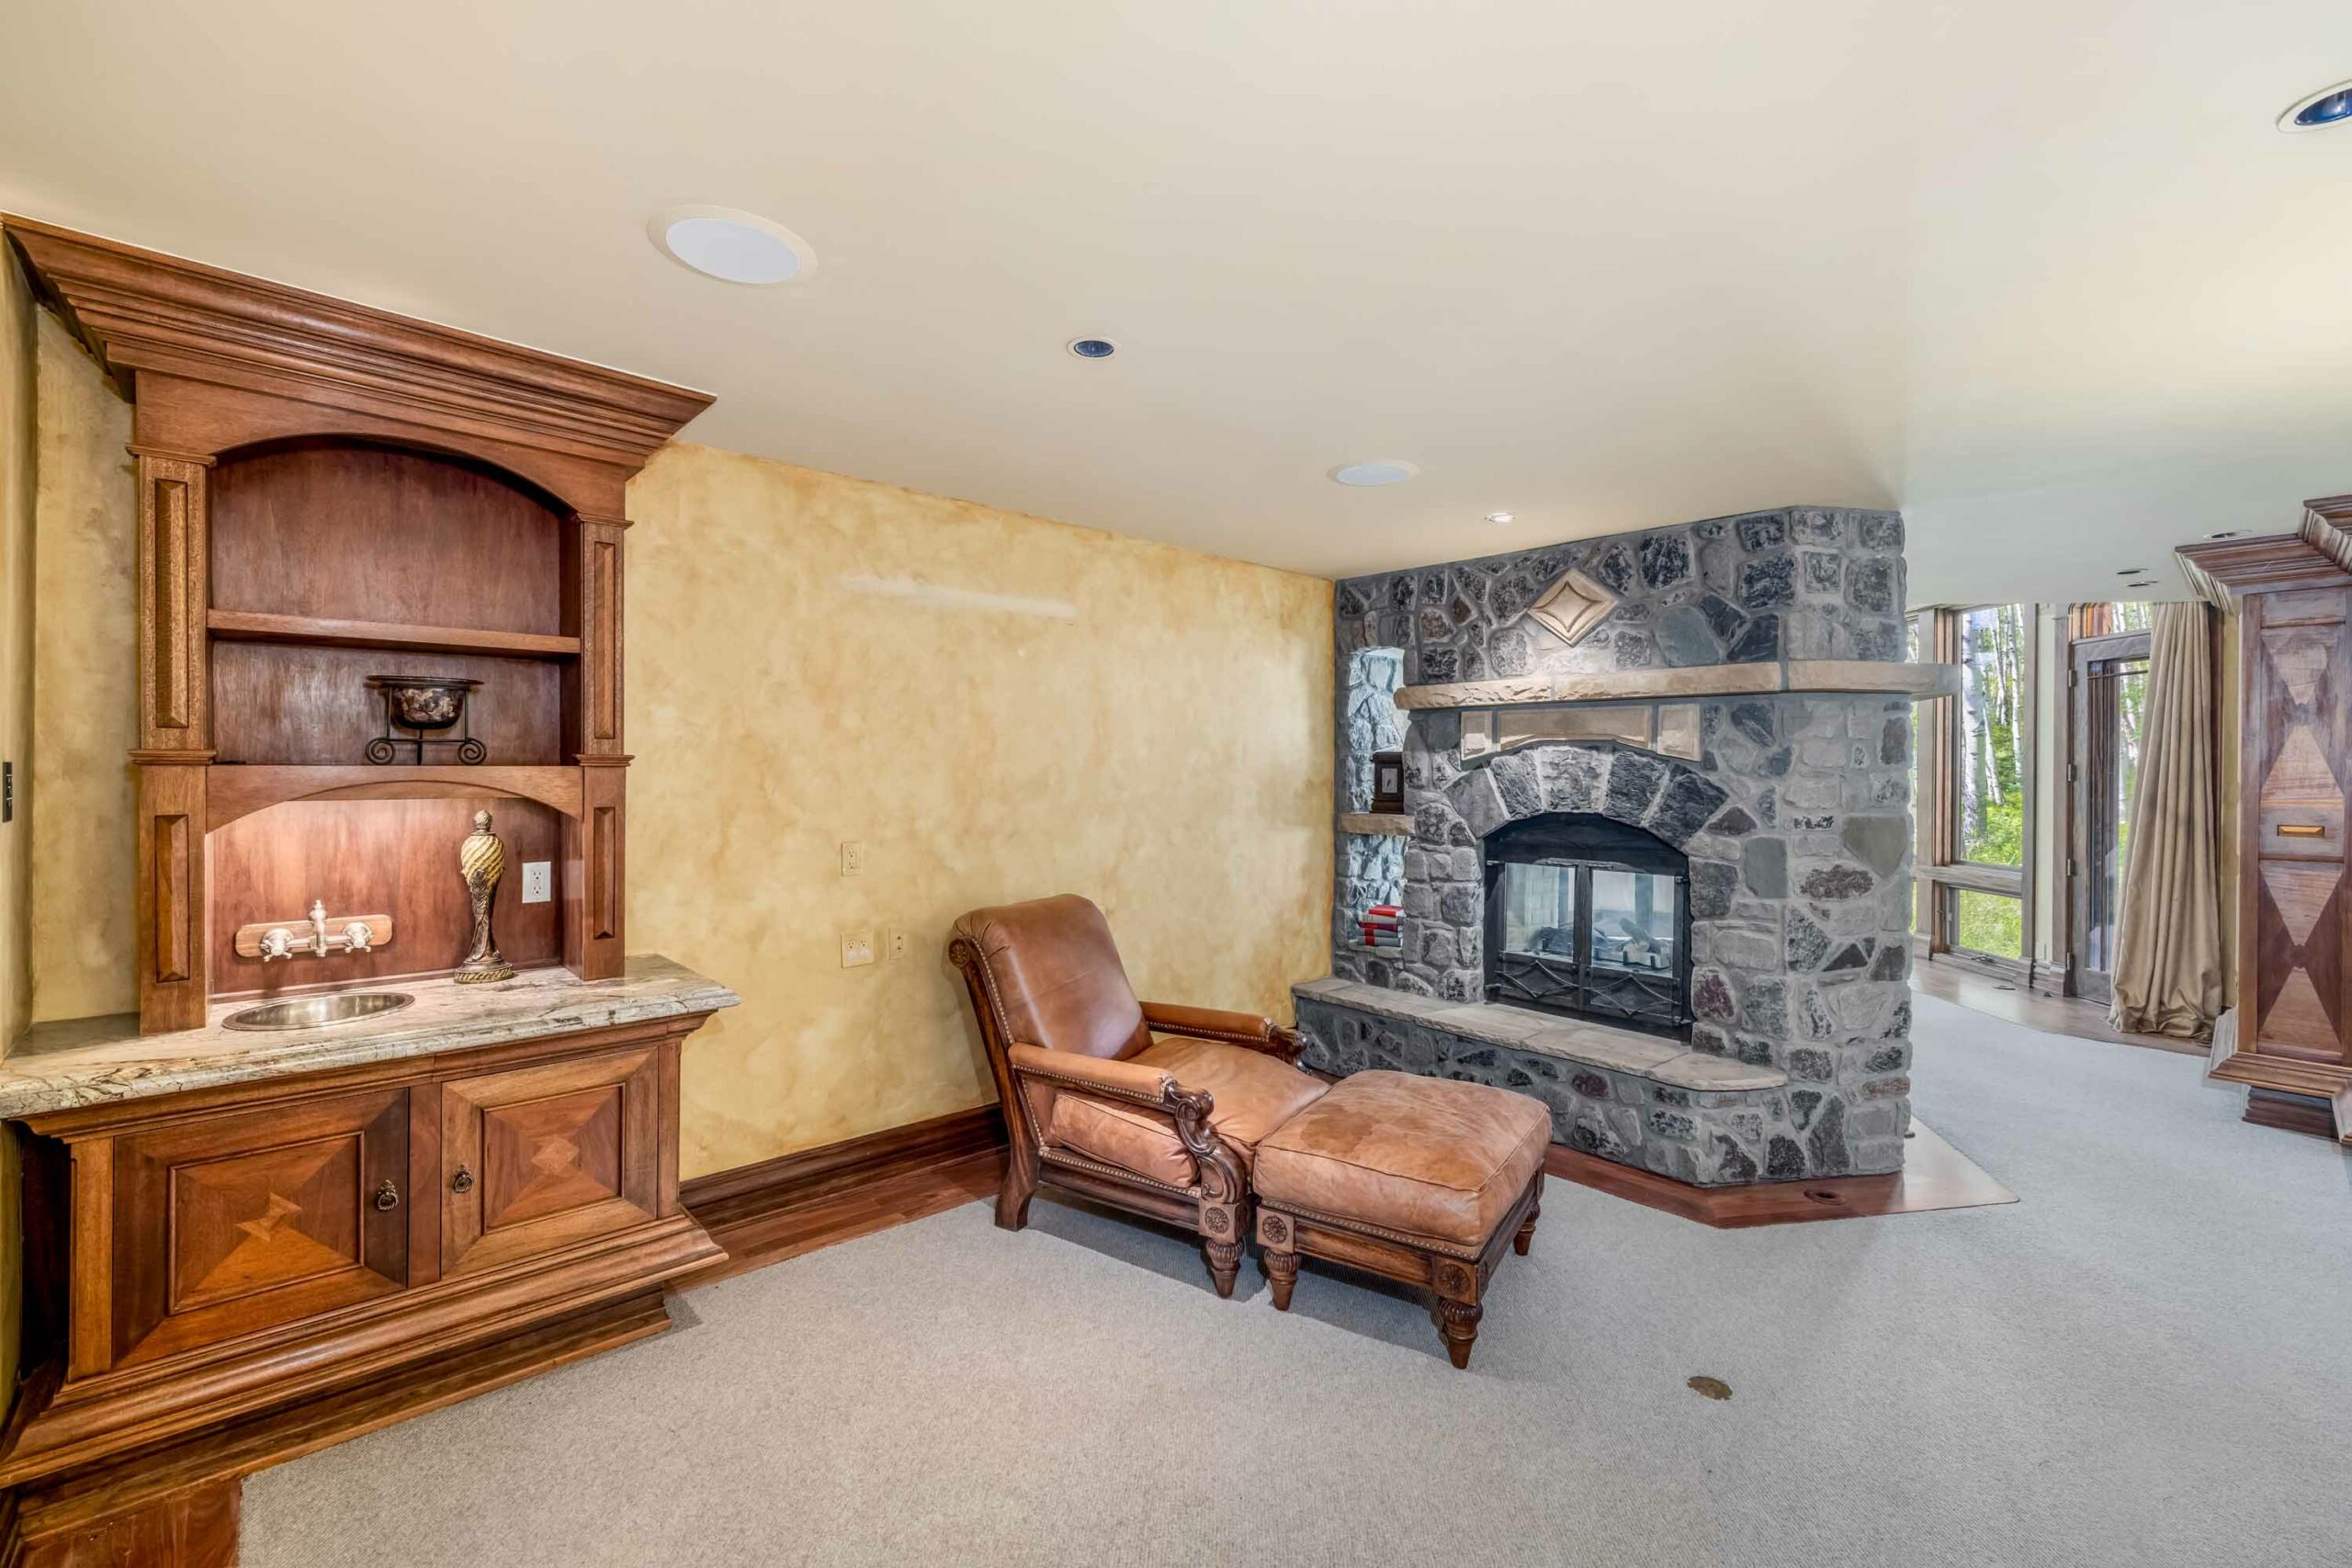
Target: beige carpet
point(2145, 1361)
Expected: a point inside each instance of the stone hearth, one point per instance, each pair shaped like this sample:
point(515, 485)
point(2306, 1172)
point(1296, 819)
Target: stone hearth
point(1789, 792)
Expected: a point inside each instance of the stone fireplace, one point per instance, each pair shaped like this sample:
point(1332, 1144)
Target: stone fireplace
point(1655, 861)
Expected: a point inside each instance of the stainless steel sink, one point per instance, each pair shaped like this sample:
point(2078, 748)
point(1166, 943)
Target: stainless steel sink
point(315, 1013)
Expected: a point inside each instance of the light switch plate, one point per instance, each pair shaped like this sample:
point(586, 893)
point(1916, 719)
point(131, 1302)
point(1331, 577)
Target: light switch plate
point(538, 881)
point(857, 947)
point(852, 857)
point(894, 947)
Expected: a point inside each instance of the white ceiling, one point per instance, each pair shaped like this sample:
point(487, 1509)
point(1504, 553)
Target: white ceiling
point(2038, 272)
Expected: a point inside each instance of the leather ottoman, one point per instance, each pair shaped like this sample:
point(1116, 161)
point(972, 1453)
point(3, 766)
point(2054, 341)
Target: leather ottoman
point(1413, 1179)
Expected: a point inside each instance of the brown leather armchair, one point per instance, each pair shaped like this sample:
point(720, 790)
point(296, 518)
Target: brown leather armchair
point(1141, 1105)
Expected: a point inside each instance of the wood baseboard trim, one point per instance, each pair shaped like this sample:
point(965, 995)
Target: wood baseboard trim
point(192, 1485)
point(798, 1203)
point(1934, 1176)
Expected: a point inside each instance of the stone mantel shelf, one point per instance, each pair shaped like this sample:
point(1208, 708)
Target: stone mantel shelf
point(1921, 682)
point(1376, 824)
point(1668, 1062)
point(89, 1061)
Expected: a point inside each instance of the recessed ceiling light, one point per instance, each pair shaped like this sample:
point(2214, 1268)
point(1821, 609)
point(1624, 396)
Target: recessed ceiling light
point(1499, 518)
point(731, 246)
point(2131, 571)
point(2329, 106)
point(1375, 471)
point(1093, 347)
point(2151, 583)
point(2228, 534)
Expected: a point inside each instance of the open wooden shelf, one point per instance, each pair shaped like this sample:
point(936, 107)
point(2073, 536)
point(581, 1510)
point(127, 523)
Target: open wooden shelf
point(235, 789)
point(255, 626)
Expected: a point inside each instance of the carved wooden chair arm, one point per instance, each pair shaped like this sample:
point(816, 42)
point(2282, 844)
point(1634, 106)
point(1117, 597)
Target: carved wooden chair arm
point(1243, 1029)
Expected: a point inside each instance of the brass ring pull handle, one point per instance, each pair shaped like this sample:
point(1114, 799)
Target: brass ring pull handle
point(2302, 831)
point(387, 1197)
point(463, 1181)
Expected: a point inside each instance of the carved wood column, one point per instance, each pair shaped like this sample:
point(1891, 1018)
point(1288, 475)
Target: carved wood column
point(594, 946)
point(594, 843)
point(175, 540)
point(595, 586)
point(175, 736)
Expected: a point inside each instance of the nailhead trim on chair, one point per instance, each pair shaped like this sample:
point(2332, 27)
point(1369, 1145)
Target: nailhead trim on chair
point(1090, 1086)
point(1406, 1238)
point(1063, 1156)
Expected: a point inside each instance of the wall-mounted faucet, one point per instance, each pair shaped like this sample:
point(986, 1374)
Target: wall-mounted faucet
point(359, 934)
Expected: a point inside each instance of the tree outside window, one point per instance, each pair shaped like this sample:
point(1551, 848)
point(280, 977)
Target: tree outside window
point(1992, 715)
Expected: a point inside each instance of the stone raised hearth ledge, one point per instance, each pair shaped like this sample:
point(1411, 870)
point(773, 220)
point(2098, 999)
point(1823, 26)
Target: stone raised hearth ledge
point(90, 1061)
point(1668, 1062)
point(1921, 682)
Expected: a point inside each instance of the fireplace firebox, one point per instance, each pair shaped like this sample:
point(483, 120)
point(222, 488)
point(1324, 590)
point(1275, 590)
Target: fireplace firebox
point(1590, 918)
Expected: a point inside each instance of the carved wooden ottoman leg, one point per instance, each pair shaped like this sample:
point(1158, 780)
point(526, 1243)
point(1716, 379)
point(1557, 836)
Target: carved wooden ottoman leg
point(1456, 1285)
point(1461, 1328)
point(1275, 1236)
point(1526, 1235)
point(1282, 1274)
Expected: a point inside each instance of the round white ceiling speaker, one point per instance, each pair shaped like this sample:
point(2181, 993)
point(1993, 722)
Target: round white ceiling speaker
point(1375, 471)
point(731, 246)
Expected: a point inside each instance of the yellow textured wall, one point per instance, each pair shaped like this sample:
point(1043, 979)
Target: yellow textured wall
point(85, 714)
point(18, 475)
point(997, 707)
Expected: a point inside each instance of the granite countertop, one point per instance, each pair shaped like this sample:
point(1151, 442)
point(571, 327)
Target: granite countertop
point(1573, 1039)
point(89, 1061)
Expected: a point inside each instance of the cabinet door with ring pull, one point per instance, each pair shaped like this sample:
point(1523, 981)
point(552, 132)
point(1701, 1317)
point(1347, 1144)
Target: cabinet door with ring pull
point(538, 1158)
point(233, 1223)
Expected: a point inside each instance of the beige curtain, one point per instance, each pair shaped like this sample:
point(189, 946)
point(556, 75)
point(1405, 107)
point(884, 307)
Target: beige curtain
point(2168, 954)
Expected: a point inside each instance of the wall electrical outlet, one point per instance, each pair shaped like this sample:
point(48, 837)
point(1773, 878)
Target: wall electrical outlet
point(538, 881)
point(852, 857)
point(857, 947)
point(893, 947)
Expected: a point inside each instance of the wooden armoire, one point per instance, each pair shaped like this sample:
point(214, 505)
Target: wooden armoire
point(2287, 680)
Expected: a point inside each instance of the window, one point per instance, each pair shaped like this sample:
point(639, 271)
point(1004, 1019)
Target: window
point(2108, 692)
point(1986, 922)
point(1971, 768)
point(1993, 716)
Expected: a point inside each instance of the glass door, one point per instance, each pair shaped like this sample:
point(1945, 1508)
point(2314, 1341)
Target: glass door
point(2110, 683)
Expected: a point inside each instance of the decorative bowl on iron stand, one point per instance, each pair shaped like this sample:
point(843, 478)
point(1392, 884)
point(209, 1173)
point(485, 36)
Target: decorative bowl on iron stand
point(417, 708)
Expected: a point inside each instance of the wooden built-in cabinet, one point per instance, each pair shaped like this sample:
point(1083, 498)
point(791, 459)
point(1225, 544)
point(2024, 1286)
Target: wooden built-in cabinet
point(327, 493)
point(258, 1263)
point(227, 1249)
point(2290, 597)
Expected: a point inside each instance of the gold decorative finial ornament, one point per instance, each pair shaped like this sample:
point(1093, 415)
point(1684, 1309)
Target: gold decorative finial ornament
point(481, 859)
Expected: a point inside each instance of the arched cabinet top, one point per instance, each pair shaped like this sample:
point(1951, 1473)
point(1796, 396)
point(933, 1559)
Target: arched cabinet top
point(216, 360)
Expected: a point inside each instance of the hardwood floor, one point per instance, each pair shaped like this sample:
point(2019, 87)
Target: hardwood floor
point(872, 1205)
point(768, 1212)
point(2055, 1015)
point(1934, 1176)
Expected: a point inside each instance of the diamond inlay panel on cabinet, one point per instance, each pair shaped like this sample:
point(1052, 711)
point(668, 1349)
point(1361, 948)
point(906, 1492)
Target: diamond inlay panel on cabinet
point(250, 1222)
point(536, 1158)
point(238, 1223)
